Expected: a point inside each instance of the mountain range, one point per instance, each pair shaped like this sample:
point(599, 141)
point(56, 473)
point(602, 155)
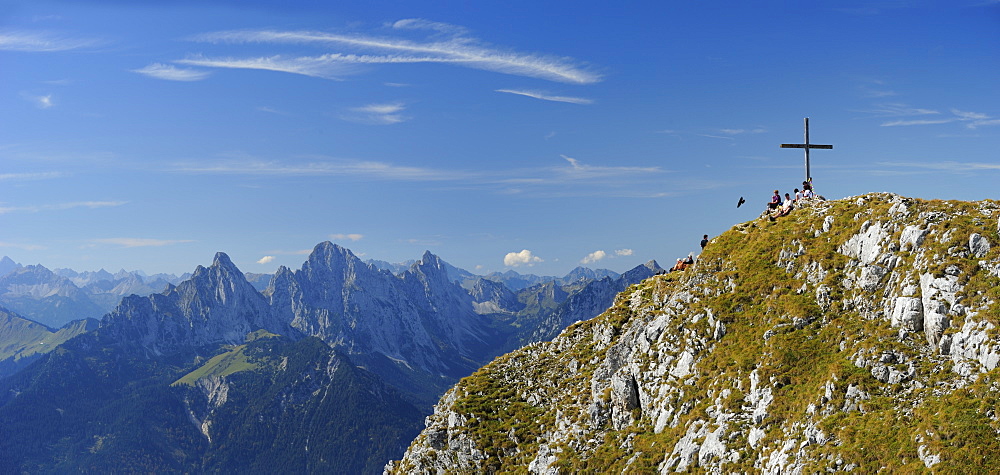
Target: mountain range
point(57, 297)
point(331, 367)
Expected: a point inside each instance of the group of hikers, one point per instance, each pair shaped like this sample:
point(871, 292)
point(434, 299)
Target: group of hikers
point(685, 262)
point(778, 207)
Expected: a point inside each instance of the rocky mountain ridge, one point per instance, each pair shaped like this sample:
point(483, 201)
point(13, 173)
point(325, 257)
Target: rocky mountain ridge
point(417, 329)
point(852, 335)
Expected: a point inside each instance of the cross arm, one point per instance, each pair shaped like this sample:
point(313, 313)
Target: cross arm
point(802, 145)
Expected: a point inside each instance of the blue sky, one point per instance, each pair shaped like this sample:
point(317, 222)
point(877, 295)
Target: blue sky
point(534, 136)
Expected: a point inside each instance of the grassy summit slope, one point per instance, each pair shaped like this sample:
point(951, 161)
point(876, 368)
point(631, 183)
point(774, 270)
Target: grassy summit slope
point(852, 334)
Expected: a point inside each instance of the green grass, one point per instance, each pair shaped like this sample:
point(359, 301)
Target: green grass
point(776, 327)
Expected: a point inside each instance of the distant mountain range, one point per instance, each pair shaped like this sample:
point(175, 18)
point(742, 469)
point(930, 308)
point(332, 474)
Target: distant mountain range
point(329, 368)
point(57, 297)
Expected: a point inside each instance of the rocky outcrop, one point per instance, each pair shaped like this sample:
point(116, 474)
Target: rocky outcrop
point(851, 335)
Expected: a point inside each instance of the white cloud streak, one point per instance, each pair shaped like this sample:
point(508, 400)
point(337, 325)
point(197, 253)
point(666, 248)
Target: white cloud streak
point(972, 120)
point(576, 179)
point(139, 242)
point(897, 123)
point(325, 66)
point(580, 171)
point(265, 259)
point(26, 247)
point(449, 44)
point(62, 206)
point(545, 97)
point(947, 166)
point(349, 168)
point(172, 73)
point(523, 258)
point(378, 114)
point(41, 42)
point(623, 252)
point(30, 176)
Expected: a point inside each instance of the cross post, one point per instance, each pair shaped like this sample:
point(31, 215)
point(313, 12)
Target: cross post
point(806, 146)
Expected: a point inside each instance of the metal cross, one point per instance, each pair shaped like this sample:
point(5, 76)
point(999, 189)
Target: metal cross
point(806, 146)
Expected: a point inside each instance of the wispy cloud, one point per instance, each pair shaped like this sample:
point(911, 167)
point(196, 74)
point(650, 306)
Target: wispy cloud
point(140, 242)
point(756, 130)
point(579, 171)
point(170, 72)
point(971, 120)
point(270, 110)
point(721, 134)
point(868, 91)
point(265, 259)
point(545, 97)
point(30, 176)
point(325, 167)
point(574, 178)
point(445, 44)
point(326, 66)
point(352, 237)
point(41, 41)
point(40, 101)
point(896, 123)
point(899, 110)
point(623, 252)
point(61, 206)
point(946, 166)
point(26, 247)
point(378, 114)
point(425, 242)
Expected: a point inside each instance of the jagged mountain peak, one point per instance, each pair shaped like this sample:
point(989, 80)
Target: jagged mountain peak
point(327, 248)
point(327, 257)
point(222, 260)
point(649, 268)
point(216, 305)
point(431, 266)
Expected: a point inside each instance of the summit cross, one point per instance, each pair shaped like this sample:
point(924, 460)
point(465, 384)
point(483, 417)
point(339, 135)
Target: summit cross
point(806, 146)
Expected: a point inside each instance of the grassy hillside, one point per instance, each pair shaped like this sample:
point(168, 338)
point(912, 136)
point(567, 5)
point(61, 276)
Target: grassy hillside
point(23, 341)
point(781, 350)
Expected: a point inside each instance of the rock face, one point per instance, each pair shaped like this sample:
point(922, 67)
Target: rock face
point(217, 305)
point(853, 335)
point(418, 328)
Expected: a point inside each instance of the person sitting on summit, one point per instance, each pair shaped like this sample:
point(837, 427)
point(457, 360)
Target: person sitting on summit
point(683, 263)
point(775, 201)
point(786, 207)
